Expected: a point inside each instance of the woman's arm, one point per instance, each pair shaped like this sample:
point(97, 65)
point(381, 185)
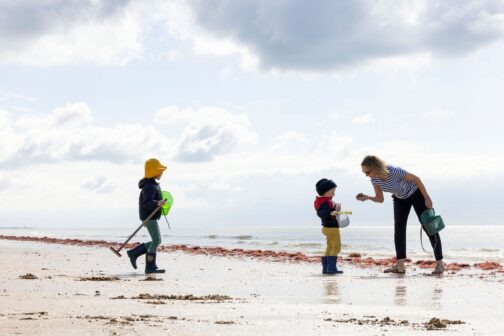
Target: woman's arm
point(378, 197)
point(416, 180)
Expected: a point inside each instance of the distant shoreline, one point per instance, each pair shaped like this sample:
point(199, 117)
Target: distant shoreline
point(17, 227)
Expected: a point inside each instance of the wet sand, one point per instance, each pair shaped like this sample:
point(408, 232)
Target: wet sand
point(83, 288)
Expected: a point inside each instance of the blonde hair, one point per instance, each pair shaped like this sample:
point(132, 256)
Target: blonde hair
point(376, 164)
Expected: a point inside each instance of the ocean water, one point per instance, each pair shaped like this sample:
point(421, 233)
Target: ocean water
point(460, 243)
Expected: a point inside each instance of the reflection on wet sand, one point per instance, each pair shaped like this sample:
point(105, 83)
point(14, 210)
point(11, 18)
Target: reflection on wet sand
point(434, 301)
point(400, 295)
point(437, 296)
point(332, 294)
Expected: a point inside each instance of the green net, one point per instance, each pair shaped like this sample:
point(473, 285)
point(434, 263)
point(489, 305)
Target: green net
point(169, 202)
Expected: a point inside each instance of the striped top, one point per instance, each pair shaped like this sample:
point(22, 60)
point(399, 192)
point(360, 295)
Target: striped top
point(395, 183)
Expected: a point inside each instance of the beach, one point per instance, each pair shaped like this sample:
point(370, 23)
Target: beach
point(56, 288)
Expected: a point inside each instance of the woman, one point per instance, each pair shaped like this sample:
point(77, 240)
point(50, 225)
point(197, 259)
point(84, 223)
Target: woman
point(407, 191)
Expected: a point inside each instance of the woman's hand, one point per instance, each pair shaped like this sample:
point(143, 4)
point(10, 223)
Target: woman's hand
point(428, 203)
point(361, 197)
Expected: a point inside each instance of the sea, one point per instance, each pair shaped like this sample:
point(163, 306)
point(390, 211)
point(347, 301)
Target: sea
point(469, 244)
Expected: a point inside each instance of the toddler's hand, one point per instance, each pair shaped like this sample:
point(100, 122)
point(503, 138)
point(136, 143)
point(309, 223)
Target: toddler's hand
point(337, 207)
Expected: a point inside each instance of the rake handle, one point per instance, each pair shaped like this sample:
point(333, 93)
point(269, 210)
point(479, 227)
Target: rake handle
point(138, 229)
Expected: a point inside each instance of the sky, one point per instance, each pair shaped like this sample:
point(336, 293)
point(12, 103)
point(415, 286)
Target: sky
point(248, 103)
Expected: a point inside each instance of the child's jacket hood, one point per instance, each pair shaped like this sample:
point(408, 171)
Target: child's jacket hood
point(319, 200)
point(145, 181)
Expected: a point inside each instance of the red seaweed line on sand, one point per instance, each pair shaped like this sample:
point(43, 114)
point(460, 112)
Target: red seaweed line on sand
point(352, 258)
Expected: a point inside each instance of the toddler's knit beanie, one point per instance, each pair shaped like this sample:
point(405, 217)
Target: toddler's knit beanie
point(324, 185)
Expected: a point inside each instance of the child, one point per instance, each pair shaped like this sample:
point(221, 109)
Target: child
point(150, 199)
point(330, 227)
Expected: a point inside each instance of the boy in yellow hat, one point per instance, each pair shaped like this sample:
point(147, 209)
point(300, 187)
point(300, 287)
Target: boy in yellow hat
point(150, 199)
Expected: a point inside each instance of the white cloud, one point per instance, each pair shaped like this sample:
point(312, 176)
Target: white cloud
point(16, 96)
point(208, 131)
point(265, 34)
point(3, 182)
point(68, 134)
point(61, 32)
point(71, 115)
point(363, 119)
point(174, 114)
point(438, 164)
point(99, 184)
point(281, 169)
point(222, 186)
point(438, 114)
point(345, 33)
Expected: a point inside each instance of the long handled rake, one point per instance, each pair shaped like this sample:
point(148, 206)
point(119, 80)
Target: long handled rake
point(134, 233)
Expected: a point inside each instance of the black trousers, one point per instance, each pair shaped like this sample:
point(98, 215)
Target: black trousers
point(402, 208)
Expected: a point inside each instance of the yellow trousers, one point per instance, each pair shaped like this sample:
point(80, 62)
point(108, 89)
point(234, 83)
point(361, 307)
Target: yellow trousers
point(333, 241)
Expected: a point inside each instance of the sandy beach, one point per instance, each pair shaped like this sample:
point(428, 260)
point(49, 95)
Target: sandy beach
point(55, 289)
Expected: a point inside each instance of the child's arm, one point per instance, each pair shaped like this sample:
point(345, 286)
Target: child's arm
point(324, 211)
point(378, 197)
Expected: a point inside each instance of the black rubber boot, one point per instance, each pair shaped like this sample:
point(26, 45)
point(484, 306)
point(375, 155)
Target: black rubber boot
point(136, 252)
point(150, 264)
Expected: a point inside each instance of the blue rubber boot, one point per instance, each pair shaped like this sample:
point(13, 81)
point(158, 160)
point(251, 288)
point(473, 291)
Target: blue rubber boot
point(331, 265)
point(324, 265)
point(150, 264)
point(335, 262)
point(136, 252)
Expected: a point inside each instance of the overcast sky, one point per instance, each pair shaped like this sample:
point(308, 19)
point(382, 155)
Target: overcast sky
point(248, 103)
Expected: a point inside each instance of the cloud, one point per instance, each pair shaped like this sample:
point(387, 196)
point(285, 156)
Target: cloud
point(438, 114)
point(364, 119)
point(3, 182)
point(273, 35)
point(99, 184)
point(54, 32)
point(69, 134)
point(208, 132)
point(298, 35)
point(16, 96)
point(71, 115)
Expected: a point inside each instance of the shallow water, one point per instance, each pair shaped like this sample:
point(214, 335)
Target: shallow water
point(460, 243)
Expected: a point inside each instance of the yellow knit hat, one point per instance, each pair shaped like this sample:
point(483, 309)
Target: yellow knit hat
point(153, 168)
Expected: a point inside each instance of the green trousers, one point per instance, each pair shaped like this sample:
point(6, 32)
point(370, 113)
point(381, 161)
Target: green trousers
point(153, 228)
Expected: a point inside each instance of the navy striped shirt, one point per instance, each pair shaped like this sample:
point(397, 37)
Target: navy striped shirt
point(395, 183)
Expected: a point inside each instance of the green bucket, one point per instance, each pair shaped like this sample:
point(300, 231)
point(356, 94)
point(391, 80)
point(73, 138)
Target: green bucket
point(431, 222)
